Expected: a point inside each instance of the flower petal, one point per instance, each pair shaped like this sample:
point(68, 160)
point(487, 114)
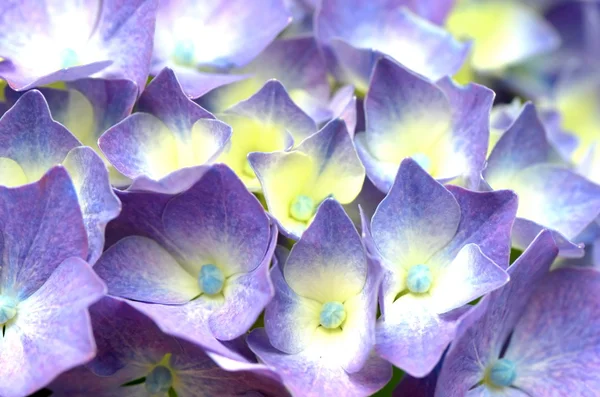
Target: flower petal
point(329, 262)
point(98, 203)
point(217, 221)
point(41, 227)
point(483, 332)
point(139, 268)
point(29, 136)
point(53, 325)
point(556, 342)
point(307, 375)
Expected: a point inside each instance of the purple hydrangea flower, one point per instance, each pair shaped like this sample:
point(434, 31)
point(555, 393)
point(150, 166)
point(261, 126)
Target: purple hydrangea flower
point(442, 126)
point(45, 285)
point(355, 33)
point(202, 39)
point(550, 194)
point(31, 142)
point(131, 348)
point(163, 146)
point(441, 248)
point(538, 335)
point(48, 41)
point(320, 326)
point(323, 165)
point(268, 121)
point(295, 62)
point(196, 263)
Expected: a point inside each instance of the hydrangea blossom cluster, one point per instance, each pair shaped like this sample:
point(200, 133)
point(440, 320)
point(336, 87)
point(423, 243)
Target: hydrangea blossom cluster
point(277, 198)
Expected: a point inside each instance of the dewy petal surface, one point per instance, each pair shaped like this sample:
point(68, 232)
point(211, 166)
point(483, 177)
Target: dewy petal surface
point(556, 343)
point(484, 331)
point(360, 32)
point(30, 137)
point(53, 326)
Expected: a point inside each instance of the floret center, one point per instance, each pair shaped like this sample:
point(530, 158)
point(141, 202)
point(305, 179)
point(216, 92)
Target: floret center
point(183, 53)
point(159, 380)
point(302, 208)
point(332, 315)
point(419, 279)
point(8, 309)
point(423, 160)
point(69, 58)
point(211, 279)
point(502, 373)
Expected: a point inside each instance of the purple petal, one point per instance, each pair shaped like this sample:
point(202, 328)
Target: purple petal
point(30, 137)
point(412, 336)
point(343, 106)
point(218, 221)
point(486, 220)
point(112, 40)
point(98, 203)
point(470, 275)
point(246, 295)
point(295, 62)
point(53, 325)
point(139, 268)
point(482, 334)
point(41, 227)
point(417, 218)
point(556, 343)
point(329, 262)
point(308, 375)
point(387, 29)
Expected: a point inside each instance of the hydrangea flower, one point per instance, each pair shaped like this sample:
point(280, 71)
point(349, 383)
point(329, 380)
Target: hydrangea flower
point(136, 359)
point(320, 326)
point(196, 263)
point(45, 285)
point(441, 248)
point(296, 62)
point(323, 165)
point(538, 335)
point(503, 33)
point(442, 126)
point(45, 41)
point(550, 195)
point(355, 33)
point(89, 107)
point(266, 122)
point(31, 142)
point(162, 146)
point(202, 39)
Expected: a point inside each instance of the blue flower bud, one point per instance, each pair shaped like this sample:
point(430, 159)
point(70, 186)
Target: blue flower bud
point(211, 279)
point(502, 373)
point(8, 309)
point(332, 315)
point(69, 58)
point(419, 279)
point(184, 52)
point(159, 380)
point(302, 208)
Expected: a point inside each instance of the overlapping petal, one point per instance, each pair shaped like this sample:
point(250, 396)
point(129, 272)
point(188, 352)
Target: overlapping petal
point(444, 127)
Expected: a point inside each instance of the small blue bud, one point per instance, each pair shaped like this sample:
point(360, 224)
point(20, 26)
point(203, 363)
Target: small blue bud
point(503, 373)
point(159, 380)
point(211, 279)
point(423, 160)
point(69, 58)
point(184, 52)
point(332, 315)
point(8, 309)
point(302, 208)
point(419, 279)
